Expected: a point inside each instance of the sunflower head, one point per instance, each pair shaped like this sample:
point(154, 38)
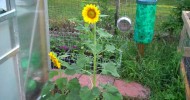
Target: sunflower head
point(55, 60)
point(90, 14)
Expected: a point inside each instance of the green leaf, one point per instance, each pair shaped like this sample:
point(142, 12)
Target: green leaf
point(87, 94)
point(74, 84)
point(109, 96)
point(111, 93)
point(95, 49)
point(83, 37)
point(63, 56)
point(80, 27)
point(49, 96)
point(61, 82)
point(58, 96)
point(110, 88)
point(99, 48)
point(74, 88)
point(52, 74)
point(63, 63)
point(74, 67)
point(82, 60)
point(73, 95)
point(104, 15)
point(96, 92)
point(70, 71)
point(47, 88)
point(110, 68)
point(110, 48)
point(103, 33)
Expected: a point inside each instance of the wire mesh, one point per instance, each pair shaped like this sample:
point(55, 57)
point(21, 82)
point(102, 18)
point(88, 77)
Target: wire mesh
point(70, 44)
point(63, 36)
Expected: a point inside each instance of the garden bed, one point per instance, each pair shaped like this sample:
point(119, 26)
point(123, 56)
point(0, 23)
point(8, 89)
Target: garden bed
point(69, 43)
point(130, 90)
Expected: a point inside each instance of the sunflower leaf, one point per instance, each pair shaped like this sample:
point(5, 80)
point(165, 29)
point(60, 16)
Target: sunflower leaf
point(103, 33)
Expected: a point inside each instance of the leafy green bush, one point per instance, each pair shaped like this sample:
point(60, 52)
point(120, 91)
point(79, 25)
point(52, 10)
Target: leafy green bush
point(174, 22)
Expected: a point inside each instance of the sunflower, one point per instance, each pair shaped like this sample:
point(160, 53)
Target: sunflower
point(90, 14)
point(55, 60)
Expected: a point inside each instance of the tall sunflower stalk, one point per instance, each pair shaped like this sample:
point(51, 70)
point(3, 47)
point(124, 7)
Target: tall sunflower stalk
point(91, 15)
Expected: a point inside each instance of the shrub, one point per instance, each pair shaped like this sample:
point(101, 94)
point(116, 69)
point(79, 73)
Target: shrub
point(175, 22)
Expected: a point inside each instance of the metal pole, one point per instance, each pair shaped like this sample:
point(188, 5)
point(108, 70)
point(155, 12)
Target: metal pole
point(117, 2)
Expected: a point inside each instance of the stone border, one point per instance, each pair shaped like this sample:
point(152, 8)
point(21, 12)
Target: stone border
point(130, 90)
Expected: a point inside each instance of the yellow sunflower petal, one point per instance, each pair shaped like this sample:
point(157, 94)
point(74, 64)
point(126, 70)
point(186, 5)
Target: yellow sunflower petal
point(50, 54)
point(58, 65)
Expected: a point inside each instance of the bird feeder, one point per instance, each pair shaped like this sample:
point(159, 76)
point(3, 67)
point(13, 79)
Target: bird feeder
point(145, 20)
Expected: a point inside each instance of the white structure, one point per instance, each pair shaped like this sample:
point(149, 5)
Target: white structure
point(24, 48)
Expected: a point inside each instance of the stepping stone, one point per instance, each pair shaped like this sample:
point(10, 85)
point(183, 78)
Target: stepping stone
point(132, 90)
point(86, 80)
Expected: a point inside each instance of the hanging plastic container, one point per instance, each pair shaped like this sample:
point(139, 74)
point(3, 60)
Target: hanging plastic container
point(145, 19)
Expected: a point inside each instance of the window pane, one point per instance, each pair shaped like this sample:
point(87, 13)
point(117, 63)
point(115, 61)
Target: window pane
point(5, 44)
point(3, 4)
point(8, 85)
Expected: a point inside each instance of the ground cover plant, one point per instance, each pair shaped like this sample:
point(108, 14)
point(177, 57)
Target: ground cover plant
point(159, 68)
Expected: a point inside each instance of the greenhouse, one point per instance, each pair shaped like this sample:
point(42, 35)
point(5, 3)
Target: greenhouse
point(95, 50)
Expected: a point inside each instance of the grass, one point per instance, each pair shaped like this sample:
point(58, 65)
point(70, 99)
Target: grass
point(64, 9)
point(159, 69)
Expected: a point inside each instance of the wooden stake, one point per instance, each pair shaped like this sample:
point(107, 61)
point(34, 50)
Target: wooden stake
point(141, 49)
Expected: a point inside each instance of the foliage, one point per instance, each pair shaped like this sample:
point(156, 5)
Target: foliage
point(174, 22)
point(109, 21)
point(159, 69)
point(71, 90)
point(93, 40)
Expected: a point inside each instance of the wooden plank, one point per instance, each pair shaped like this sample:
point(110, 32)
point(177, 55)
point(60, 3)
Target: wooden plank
point(182, 38)
point(186, 21)
point(186, 52)
point(187, 88)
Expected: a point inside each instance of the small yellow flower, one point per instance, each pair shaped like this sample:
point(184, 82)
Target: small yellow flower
point(90, 14)
point(55, 60)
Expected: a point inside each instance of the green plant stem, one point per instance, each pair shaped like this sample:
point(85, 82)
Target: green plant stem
point(60, 73)
point(95, 57)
